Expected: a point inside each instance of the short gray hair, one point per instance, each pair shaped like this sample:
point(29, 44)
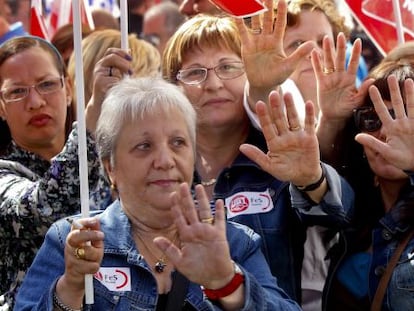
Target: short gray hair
point(133, 98)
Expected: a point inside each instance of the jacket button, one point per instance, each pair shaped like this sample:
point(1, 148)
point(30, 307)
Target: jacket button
point(386, 235)
point(379, 271)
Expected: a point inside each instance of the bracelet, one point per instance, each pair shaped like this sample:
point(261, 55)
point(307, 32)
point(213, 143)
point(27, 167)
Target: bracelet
point(315, 185)
point(229, 288)
point(59, 304)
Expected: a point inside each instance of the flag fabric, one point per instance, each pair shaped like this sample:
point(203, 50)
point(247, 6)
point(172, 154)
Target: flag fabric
point(37, 22)
point(244, 8)
point(61, 14)
point(378, 20)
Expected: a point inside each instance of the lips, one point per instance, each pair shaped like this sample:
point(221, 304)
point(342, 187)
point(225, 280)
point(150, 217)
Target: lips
point(39, 120)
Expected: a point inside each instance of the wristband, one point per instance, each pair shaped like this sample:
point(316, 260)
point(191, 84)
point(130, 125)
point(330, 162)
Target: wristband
point(229, 288)
point(315, 185)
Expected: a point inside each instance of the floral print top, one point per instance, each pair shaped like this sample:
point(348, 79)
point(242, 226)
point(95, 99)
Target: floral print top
point(33, 194)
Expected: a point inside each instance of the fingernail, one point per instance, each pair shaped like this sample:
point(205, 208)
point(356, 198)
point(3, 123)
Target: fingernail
point(128, 57)
point(130, 72)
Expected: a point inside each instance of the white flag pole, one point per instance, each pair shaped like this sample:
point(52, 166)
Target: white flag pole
point(80, 100)
point(398, 21)
point(124, 24)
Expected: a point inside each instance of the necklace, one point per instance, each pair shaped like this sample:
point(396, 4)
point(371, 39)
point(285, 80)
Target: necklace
point(161, 262)
point(209, 183)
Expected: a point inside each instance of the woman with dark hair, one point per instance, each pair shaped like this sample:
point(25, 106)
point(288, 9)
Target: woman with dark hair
point(39, 150)
point(378, 162)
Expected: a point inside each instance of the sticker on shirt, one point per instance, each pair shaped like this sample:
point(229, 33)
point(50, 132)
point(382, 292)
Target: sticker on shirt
point(114, 279)
point(244, 203)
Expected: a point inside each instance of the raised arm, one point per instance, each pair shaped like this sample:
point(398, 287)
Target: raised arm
point(265, 61)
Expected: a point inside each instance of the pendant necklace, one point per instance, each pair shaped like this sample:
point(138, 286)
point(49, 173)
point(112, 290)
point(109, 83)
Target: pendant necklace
point(209, 183)
point(160, 263)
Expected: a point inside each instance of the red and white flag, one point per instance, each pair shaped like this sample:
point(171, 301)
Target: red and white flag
point(380, 22)
point(61, 14)
point(37, 22)
point(243, 8)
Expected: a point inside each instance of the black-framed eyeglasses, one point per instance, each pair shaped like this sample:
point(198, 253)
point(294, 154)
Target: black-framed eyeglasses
point(367, 120)
point(19, 92)
point(225, 71)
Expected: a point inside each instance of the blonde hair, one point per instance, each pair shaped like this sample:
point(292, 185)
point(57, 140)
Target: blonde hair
point(146, 59)
point(198, 32)
point(328, 7)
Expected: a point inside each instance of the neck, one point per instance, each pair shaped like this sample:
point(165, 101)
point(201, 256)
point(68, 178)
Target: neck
point(390, 191)
point(215, 151)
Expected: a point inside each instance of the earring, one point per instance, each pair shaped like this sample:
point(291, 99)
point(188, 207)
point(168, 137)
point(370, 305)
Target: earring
point(113, 188)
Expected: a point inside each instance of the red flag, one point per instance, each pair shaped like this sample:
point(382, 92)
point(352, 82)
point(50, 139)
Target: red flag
point(37, 22)
point(378, 20)
point(243, 8)
point(61, 14)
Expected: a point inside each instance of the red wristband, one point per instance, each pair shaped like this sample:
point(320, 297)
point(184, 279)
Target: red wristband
point(236, 281)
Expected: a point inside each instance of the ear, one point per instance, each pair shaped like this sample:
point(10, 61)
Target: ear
point(69, 90)
point(109, 171)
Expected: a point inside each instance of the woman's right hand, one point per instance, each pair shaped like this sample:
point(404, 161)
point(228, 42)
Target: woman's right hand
point(83, 255)
point(109, 70)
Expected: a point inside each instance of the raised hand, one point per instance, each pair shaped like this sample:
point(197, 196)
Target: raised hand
point(398, 147)
point(337, 92)
point(265, 61)
point(293, 151)
point(107, 72)
point(204, 256)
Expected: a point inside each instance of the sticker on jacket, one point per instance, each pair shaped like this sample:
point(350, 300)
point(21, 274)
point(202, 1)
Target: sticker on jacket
point(114, 279)
point(244, 203)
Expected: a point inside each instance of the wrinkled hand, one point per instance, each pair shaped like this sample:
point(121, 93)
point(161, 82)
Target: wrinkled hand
point(293, 152)
point(107, 72)
point(337, 93)
point(204, 257)
point(398, 148)
point(77, 268)
point(265, 61)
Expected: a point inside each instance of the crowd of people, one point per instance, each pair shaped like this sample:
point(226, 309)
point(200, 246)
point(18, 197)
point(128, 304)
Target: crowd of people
point(233, 163)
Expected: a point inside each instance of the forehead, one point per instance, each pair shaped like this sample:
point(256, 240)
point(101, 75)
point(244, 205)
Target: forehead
point(40, 61)
point(215, 54)
point(313, 21)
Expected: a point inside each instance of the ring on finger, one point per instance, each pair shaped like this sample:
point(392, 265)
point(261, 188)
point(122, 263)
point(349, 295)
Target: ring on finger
point(80, 253)
point(257, 31)
point(110, 74)
point(209, 220)
point(295, 128)
point(328, 70)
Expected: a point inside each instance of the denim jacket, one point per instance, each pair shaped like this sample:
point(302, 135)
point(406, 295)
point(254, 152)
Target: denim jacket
point(386, 236)
point(280, 213)
point(140, 292)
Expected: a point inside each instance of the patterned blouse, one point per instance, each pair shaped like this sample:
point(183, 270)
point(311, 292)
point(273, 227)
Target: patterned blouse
point(33, 194)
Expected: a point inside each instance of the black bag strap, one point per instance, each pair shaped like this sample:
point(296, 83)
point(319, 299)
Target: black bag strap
point(178, 292)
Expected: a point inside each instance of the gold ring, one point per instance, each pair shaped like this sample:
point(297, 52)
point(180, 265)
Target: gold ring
point(80, 253)
point(209, 220)
point(257, 31)
point(295, 128)
point(328, 71)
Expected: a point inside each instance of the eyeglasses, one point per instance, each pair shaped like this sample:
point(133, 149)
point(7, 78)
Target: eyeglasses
point(20, 92)
point(225, 71)
point(367, 120)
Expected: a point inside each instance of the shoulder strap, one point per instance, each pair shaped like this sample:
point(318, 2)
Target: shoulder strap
point(382, 286)
point(178, 292)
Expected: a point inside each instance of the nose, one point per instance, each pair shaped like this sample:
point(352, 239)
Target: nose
point(34, 99)
point(212, 80)
point(164, 158)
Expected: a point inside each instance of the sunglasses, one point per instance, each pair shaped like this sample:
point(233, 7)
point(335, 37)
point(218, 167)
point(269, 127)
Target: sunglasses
point(367, 120)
